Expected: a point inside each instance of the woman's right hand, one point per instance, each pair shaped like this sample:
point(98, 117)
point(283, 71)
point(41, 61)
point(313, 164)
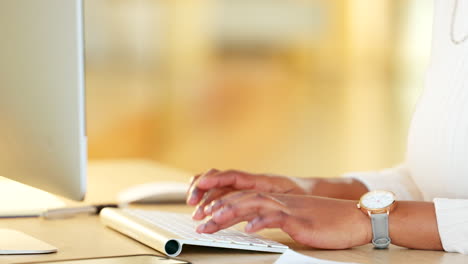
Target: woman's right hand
point(209, 186)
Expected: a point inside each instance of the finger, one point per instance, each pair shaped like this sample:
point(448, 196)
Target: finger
point(255, 204)
point(215, 194)
point(231, 178)
point(192, 180)
point(236, 198)
point(209, 196)
point(212, 227)
point(228, 198)
point(275, 219)
point(195, 194)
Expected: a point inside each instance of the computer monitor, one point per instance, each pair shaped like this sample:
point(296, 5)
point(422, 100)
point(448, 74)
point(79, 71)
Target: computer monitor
point(42, 111)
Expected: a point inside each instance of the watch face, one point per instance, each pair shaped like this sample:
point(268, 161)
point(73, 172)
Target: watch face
point(377, 199)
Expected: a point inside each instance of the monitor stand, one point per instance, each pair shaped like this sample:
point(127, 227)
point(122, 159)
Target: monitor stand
point(13, 242)
point(19, 200)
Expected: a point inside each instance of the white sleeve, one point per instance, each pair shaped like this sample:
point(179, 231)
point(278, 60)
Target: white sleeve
point(397, 180)
point(452, 221)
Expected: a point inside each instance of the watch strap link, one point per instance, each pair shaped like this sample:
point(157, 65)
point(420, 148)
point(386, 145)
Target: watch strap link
point(380, 238)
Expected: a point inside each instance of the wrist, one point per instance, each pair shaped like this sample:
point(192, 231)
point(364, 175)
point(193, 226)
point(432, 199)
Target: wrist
point(358, 227)
point(365, 226)
point(339, 188)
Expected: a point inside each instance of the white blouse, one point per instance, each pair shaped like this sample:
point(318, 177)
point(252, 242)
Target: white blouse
point(436, 166)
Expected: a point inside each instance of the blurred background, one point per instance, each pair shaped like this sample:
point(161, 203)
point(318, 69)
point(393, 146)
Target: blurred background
point(294, 87)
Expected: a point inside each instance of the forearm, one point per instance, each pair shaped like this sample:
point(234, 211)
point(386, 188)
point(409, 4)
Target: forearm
point(414, 225)
point(339, 188)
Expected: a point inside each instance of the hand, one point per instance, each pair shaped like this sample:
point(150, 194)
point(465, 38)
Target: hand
point(205, 188)
point(314, 221)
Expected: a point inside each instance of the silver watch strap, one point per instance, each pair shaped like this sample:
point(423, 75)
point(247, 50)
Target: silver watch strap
point(380, 238)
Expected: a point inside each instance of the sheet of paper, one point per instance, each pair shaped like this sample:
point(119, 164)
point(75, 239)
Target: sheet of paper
point(13, 242)
point(291, 256)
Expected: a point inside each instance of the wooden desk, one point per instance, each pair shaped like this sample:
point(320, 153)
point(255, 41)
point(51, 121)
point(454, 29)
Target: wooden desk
point(84, 236)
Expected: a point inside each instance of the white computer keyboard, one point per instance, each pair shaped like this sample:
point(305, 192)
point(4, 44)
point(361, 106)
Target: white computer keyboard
point(168, 232)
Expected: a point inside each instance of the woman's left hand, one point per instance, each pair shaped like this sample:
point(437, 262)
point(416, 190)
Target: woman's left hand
point(314, 221)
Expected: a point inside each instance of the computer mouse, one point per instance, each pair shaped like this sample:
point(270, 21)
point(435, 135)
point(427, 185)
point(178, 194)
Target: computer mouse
point(155, 192)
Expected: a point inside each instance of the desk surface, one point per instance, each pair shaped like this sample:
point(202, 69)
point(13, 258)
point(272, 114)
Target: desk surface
point(85, 236)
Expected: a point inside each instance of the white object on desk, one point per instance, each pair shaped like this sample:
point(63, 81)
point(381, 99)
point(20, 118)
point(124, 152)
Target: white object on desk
point(155, 192)
point(168, 232)
point(291, 256)
point(16, 243)
point(17, 200)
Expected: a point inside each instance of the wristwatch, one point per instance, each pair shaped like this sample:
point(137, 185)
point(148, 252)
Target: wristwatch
point(378, 205)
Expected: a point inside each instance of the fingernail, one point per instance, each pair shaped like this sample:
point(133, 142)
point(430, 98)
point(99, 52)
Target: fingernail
point(192, 199)
point(208, 209)
point(249, 226)
point(201, 228)
point(200, 211)
point(219, 213)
